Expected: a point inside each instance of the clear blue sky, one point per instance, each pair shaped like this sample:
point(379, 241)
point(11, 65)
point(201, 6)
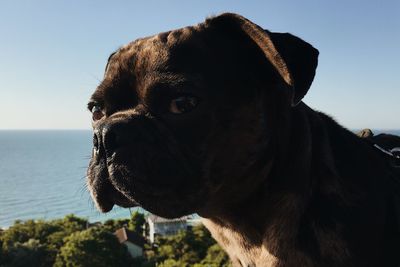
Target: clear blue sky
point(53, 53)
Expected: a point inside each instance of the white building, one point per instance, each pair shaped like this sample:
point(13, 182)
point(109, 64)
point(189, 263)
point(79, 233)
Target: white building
point(161, 226)
point(131, 240)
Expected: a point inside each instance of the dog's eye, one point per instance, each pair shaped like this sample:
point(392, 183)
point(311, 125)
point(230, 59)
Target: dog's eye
point(97, 113)
point(182, 104)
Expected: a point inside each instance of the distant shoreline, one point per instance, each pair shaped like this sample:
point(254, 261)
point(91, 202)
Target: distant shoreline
point(54, 160)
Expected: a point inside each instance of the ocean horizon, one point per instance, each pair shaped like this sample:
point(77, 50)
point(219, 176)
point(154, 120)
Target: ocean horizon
point(42, 175)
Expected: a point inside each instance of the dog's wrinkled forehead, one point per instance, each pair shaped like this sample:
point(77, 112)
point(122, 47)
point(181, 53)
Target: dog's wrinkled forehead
point(170, 60)
point(227, 51)
point(151, 60)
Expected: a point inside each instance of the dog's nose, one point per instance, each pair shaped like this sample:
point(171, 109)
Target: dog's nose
point(107, 139)
point(96, 142)
point(98, 148)
point(111, 138)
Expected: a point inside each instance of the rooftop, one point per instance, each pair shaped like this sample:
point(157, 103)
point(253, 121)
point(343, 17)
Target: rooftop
point(124, 235)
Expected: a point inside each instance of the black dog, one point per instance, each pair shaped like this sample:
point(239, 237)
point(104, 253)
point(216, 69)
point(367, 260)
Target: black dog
point(208, 119)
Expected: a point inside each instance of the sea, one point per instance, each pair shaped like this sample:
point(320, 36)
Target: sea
point(42, 176)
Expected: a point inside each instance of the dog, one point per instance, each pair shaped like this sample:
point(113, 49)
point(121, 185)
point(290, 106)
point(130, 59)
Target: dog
point(209, 119)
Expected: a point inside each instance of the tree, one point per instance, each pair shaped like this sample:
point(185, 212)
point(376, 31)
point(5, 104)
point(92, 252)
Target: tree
point(38, 241)
point(187, 248)
point(172, 263)
point(19, 232)
point(30, 253)
point(216, 257)
point(136, 223)
point(93, 247)
point(24, 244)
point(68, 242)
point(112, 225)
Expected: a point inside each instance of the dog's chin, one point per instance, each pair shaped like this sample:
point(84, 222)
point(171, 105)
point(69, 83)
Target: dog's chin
point(167, 206)
point(106, 198)
point(169, 193)
point(165, 203)
point(106, 204)
point(104, 194)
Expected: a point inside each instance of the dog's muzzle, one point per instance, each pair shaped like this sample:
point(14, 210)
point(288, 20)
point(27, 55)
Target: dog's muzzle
point(107, 139)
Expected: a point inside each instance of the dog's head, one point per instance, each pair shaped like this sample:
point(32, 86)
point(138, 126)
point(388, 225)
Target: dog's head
point(184, 120)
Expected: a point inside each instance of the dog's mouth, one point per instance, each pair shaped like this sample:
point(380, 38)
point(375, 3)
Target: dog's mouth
point(115, 183)
point(103, 192)
point(106, 201)
point(137, 162)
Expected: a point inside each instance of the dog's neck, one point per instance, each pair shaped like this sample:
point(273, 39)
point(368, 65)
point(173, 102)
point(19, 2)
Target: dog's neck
point(265, 225)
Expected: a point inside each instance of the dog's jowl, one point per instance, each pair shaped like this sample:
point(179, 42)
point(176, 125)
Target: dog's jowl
point(209, 119)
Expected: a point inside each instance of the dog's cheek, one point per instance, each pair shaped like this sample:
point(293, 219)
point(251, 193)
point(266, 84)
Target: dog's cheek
point(234, 146)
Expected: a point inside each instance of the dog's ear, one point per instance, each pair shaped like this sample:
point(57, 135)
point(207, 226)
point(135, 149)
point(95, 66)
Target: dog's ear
point(294, 59)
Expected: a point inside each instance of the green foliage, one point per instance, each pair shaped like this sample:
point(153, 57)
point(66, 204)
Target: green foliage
point(92, 247)
point(216, 257)
point(136, 223)
point(172, 263)
point(44, 232)
point(29, 253)
point(19, 232)
point(72, 241)
point(37, 242)
point(23, 244)
point(113, 225)
point(194, 247)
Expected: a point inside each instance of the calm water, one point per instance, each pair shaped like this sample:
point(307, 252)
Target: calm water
point(42, 175)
